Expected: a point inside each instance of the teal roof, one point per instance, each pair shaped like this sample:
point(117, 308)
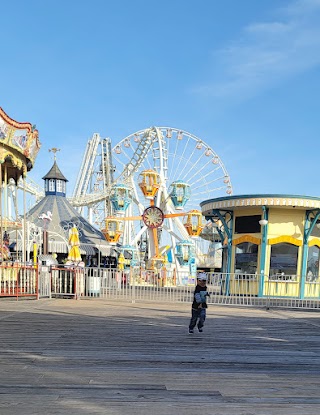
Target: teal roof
point(263, 195)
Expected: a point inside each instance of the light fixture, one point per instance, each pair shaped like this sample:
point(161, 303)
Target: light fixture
point(263, 222)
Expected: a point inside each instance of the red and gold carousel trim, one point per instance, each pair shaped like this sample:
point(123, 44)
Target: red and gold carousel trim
point(15, 124)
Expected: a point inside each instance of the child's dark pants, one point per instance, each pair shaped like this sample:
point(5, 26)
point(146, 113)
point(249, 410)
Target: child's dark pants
point(200, 314)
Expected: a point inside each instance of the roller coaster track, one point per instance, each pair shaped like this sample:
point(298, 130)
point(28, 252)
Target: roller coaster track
point(139, 155)
point(31, 187)
point(80, 198)
point(87, 167)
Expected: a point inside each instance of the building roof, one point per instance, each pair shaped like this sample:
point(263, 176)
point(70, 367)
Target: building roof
point(64, 217)
point(257, 200)
point(54, 173)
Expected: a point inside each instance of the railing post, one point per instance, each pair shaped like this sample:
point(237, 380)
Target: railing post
point(268, 288)
point(227, 282)
point(133, 287)
point(75, 284)
point(303, 268)
point(36, 270)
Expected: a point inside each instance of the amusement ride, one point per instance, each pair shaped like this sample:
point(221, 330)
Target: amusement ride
point(145, 191)
point(19, 148)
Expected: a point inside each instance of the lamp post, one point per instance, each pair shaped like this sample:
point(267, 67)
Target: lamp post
point(35, 239)
point(264, 224)
point(46, 219)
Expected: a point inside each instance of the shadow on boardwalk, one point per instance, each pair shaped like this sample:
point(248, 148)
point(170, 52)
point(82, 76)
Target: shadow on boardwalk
point(103, 357)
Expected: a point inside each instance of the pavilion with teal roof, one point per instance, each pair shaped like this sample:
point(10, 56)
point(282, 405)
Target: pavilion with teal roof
point(270, 241)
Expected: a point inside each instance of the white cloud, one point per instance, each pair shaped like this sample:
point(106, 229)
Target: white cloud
point(268, 53)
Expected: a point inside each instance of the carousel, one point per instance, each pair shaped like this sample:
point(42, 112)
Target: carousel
point(19, 148)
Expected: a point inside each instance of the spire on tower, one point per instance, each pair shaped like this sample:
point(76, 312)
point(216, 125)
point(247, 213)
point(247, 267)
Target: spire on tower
point(54, 150)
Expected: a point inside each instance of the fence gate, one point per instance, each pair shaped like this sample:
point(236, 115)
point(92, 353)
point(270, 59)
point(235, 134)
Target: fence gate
point(44, 282)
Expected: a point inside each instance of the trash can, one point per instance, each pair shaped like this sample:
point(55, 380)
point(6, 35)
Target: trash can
point(94, 286)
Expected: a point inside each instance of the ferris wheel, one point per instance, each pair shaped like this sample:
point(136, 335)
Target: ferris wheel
point(186, 171)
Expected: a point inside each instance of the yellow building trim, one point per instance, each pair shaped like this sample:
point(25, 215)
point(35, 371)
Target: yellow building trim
point(246, 238)
point(314, 241)
point(285, 238)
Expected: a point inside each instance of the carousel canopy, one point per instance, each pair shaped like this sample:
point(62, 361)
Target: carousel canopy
point(19, 147)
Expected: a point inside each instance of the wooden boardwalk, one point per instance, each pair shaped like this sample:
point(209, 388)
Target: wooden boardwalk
point(102, 357)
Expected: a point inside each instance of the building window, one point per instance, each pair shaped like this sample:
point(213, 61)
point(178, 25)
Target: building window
point(283, 261)
point(313, 264)
point(246, 258)
point(52, 185)
point(59, 186)
point(247, 224)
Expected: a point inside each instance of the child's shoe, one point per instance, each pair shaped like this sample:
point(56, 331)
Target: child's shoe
point(200, 329)
point(190, 331)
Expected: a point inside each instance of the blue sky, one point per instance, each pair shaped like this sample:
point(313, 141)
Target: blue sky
point(243, 75)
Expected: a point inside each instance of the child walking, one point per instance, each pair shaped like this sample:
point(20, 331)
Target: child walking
point(199, 304)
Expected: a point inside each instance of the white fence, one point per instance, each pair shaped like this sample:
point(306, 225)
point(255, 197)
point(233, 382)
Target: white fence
point(225, 289)
point(135, 285)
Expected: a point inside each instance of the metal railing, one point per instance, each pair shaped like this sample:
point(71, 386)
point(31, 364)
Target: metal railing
point(225, 289)
point(18, 280)
point(67, 282)
point(136, 285)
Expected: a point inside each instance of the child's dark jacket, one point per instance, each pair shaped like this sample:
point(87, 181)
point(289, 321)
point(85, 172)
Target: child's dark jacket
point(200, 297)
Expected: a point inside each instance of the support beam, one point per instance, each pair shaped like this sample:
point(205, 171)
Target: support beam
point(312, 217)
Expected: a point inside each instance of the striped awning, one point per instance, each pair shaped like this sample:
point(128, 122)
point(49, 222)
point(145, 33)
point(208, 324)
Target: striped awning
point(87, 249)
point(104, 250)
point(60, 247)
